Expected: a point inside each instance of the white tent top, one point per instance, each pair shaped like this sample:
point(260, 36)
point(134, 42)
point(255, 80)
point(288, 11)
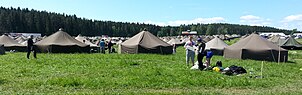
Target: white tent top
point(216, 43)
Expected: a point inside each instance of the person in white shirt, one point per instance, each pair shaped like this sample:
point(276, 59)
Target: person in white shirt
point(190, 51)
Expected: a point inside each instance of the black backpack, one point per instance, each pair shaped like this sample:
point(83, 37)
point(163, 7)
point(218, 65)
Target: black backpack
point(235, 70)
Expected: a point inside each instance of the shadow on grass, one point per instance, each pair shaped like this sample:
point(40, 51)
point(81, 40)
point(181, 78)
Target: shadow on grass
point(2, 81)
point(292, 62)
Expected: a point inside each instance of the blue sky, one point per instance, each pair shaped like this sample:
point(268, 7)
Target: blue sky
point(285, 14)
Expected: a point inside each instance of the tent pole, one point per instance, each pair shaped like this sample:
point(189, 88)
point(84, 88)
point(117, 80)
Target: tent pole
point(283, 59)
point(279, 51)
point(262, 69)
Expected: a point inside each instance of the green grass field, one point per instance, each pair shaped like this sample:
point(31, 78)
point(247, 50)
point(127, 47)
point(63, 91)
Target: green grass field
point(299, 40)
point(141, 74)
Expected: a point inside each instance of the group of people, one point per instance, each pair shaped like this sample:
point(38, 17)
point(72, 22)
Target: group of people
point(109, 45)
point(201, 52)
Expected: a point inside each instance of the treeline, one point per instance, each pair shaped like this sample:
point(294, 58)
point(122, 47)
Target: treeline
point(31, 21)
point(219, 28)
point(17, 20)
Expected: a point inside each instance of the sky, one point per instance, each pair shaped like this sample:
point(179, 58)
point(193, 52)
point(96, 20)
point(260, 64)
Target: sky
point(283, 14)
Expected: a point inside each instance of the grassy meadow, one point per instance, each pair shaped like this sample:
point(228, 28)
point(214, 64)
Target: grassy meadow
point(142, 74)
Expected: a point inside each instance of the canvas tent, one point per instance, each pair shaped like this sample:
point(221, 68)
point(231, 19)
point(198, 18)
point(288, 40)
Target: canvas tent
point(20, 39)
point(84, 40)
point(175, 41)
point(216, 45)
point(277, 40)
point(291, 43)
point(61, 42)
point(145, 42)
point(184, 40)
point(257, 48)
point(11, 44)
point(93, 47)
point(206, 38)
point(2, 50)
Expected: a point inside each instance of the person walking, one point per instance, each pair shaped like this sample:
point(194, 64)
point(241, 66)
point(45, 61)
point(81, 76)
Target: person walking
point(102, 46)
point(31, 47)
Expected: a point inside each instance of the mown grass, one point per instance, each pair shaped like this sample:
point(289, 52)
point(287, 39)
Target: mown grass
point(141, 74)
point(230, 42)
point(299, 40)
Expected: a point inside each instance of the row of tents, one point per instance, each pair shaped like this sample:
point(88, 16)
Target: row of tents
point(251, 47)
point(286, 43)
point(59, 42)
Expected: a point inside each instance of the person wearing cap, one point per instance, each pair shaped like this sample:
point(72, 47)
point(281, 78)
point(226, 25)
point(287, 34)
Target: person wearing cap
point(31, 47)
point(201, 53)
point(190, 54)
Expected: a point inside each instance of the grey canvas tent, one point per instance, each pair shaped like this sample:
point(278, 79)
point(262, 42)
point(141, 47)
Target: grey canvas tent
point(11, 44)
point(256, 48)
point(61, 42)
point(145, 42)
point(216, 45)
point(277, 40)
point(84, 40)
point(2, 50)
point(291, 43)
point(206, 38)
point(175, 41)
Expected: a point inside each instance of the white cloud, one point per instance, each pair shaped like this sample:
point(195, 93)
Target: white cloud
point(289, 22)
point(293, 18)
point(249, 17)
point(194, 21)
point(156, 23)
point(291, 25)
point(292, 22)
point(254, 20)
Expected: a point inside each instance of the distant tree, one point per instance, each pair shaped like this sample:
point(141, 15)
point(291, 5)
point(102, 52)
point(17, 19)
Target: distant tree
point(210, 30)
point(160, 34)
point(294, 31)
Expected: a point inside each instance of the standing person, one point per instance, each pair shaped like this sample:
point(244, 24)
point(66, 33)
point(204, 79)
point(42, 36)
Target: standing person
point(102, 46)
point(190, 54)
point(201, 53)
point(109, 45)
point(174, 49)
point(31, 47)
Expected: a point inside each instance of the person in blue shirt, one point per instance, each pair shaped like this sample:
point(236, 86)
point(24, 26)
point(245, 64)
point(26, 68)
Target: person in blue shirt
point(102, 46)
point(209, 55)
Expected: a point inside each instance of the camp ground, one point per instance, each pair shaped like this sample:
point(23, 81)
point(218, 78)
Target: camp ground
point(145, 60)
point(150, 47)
